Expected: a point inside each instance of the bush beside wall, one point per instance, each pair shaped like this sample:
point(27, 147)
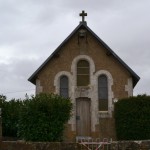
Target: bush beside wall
point(43, 118)
point(132, 117)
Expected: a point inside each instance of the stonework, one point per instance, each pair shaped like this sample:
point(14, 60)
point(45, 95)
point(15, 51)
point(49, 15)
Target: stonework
point(105, 114)
point(114, 145)
point(120, 83)
point(39, 88)
point(57, 81)
point(129, 88)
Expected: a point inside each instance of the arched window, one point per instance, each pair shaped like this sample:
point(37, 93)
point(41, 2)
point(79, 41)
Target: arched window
point(103, 93)
point(64, 90)
point(83, 71)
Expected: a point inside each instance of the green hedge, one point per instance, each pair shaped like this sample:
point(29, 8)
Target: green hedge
point(41, 118)
point(10, 116)
point(132, 117)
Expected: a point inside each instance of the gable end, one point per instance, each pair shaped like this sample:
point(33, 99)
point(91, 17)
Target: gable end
point(135, 77)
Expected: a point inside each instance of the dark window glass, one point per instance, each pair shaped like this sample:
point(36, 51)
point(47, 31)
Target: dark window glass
point(83, 71)
point(103, 93)
point(64, 86)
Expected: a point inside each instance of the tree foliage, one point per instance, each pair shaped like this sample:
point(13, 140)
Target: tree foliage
point(132, 117)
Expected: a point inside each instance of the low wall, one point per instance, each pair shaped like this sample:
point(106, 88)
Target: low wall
point(130, 145)
point(122, 145)
point(38, 146)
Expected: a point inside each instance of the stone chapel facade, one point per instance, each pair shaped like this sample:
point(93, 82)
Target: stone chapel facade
point(85, 69)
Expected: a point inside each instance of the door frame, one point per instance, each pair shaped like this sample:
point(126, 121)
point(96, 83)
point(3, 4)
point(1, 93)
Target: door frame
point(89, 101)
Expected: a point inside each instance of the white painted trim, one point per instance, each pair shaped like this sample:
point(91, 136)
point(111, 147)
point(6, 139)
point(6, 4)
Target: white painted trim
point(110, 93)
point(81, 91)
point(74, 66)
point(39, 88)
point(71, 93)
point(129, 87)
point(57, 81)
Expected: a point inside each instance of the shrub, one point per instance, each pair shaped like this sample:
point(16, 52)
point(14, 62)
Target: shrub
point(43, 117)
point(10, 116)
point(132, 117)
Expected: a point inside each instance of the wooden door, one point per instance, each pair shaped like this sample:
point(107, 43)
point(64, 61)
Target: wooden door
point(83, 117)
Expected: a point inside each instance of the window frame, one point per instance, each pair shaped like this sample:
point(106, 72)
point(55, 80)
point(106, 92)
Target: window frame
point(82, 74)
point(104, 98)
point(61, 88)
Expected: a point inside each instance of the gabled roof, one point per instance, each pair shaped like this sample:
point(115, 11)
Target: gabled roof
point(110, 51)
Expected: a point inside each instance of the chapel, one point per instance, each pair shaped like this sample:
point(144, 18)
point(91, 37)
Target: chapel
point(86, 70)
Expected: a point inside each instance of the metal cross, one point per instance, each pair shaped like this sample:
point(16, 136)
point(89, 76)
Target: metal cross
point(83, 14)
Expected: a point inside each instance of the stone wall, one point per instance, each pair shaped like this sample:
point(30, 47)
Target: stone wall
point(123, 145)
point(38, 146)
point(130, 145)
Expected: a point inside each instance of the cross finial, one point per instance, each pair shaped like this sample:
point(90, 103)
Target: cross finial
point(83, 14)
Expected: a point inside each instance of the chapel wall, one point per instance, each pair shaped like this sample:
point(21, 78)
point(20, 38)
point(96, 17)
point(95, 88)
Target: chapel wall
point(97, 52)
point(101, 126)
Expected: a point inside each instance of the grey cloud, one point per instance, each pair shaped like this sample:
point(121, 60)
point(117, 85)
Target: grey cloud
point(30, 30)
point(14, 78)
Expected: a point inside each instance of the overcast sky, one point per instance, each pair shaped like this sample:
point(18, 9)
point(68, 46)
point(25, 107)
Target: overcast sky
point(30, 30)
